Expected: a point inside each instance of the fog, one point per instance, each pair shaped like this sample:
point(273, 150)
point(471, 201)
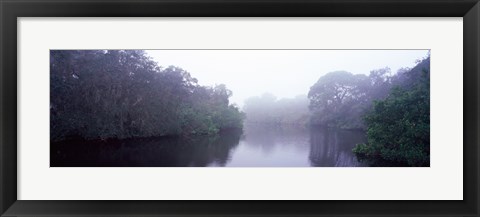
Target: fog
point(283, 73)
point(174, 108)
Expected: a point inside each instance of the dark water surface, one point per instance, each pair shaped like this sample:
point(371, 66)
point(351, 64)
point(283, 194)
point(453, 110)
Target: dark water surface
point(256, 146)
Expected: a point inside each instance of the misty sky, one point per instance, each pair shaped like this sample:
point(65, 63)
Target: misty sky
point(284, 73)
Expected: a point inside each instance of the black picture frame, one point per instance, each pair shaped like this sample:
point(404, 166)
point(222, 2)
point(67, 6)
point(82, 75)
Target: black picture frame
point(10, 10)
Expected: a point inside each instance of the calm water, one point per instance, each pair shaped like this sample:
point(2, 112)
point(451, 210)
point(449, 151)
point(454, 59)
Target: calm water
point(256, 146)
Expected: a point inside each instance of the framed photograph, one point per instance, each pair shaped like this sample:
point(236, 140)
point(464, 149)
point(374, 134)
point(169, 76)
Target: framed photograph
point(255, 108)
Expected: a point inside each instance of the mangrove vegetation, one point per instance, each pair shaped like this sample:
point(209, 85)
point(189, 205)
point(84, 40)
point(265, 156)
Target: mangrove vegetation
point(124, 102)
point(104, 94)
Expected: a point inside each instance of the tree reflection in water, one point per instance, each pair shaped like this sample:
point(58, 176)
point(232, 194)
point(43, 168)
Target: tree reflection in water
point(195, 151)
point(259, 146)
point(296, 146)
point(269, 138)
point(333, 147)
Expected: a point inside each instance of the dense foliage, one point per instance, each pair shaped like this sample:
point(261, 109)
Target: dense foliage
point(124, 94)
point(340, 99)
point(398, 127)
point(119, 94)
point(267, 109)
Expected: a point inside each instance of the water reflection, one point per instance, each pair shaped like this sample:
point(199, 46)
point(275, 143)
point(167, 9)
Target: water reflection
point(333, 147)
point(296, 146)
point(272, 146)
point(256, 146)
point(197, 151)
point(270, 138)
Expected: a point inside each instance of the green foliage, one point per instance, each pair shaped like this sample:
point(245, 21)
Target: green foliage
point(397, 119)
point(399, 126)
point(124, 94)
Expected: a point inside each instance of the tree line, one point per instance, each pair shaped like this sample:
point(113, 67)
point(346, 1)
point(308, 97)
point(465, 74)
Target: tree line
point(102, 94)
point(393, 108)
point(267, 109)
point(398, 127)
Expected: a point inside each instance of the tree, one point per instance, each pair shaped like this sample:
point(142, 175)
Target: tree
point(124, 94)
point(398, 128)
point(266, 109)
point(380, 84)
point(338, 98)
